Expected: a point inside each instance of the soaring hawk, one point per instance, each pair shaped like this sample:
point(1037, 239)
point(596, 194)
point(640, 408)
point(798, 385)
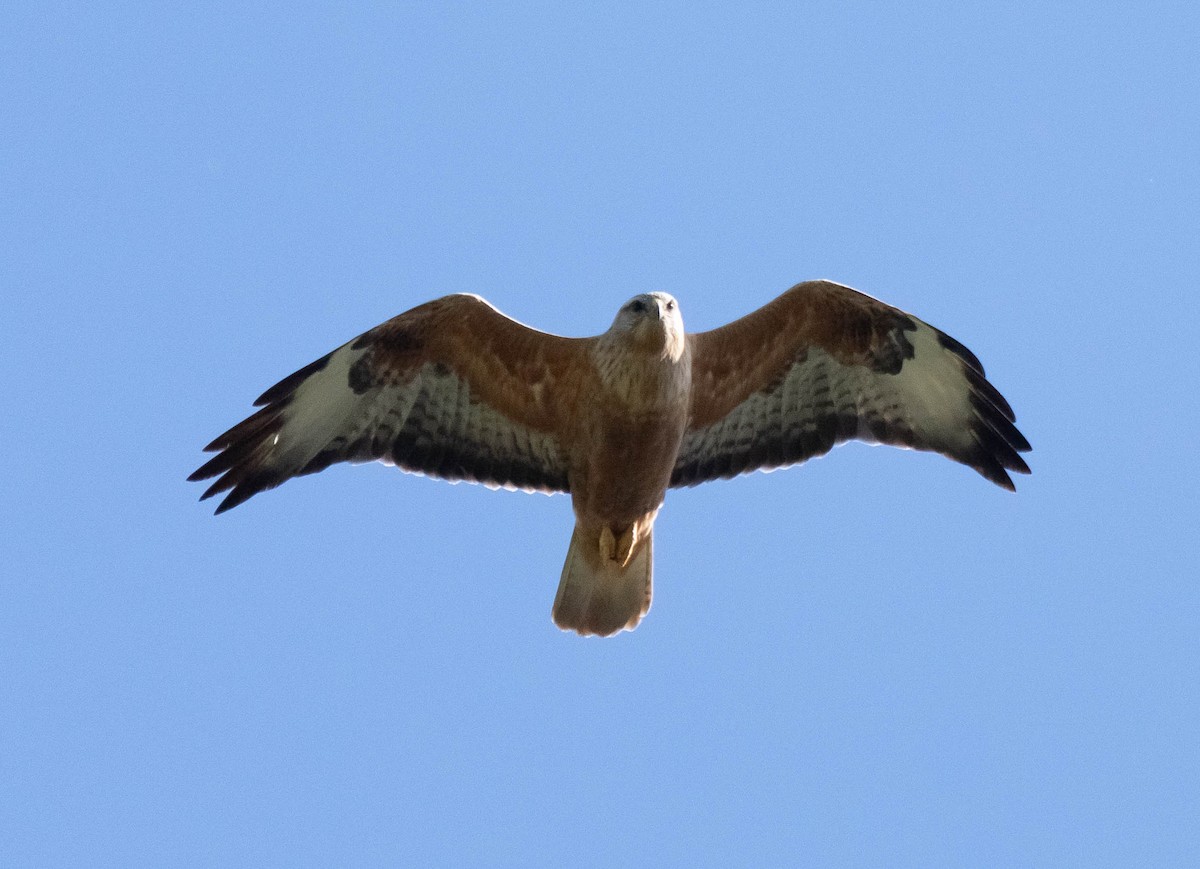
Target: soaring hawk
point(457, 390)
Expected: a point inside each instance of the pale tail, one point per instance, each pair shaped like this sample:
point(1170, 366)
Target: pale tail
point(596, 596)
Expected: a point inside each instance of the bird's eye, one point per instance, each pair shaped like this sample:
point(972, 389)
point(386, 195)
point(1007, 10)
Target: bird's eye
point(671, 305)
point(637, 306)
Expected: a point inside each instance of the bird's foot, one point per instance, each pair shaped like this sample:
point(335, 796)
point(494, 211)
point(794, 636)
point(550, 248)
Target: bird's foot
point(625, 545)
point(618, 549)
point(608, 544)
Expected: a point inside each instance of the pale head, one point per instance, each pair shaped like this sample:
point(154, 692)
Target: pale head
point(651, 321)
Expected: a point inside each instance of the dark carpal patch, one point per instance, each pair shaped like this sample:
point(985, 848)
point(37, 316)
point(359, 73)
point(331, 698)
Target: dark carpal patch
point(890, 356)
point(361, 376)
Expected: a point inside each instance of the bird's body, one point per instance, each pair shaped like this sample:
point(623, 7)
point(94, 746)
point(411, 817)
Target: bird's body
point(621, 461)
point(641, 394)
point(455, 389)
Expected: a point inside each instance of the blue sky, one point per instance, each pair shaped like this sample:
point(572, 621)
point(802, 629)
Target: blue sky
point(874, 659)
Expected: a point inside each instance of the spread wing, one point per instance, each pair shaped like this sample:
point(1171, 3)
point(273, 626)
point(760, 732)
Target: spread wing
point(453, 389)
point(823, 364)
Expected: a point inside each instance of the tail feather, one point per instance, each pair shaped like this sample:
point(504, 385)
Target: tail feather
point(597, 596)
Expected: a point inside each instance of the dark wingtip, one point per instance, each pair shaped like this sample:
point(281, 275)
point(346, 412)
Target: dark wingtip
point(288, 385)
point(990, 468)
point(243, 475)
point(995, 455)
point(218, 464)
point(237, 464)
point(244, 489)
point(218, 487)
point(998, 441)
point(982, 387)
point(960, 350)
point(228, 503)
point(1018, 441)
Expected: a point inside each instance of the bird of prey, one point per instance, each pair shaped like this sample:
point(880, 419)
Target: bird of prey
point(455, 389)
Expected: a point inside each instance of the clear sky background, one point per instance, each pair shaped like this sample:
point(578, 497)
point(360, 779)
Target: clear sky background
point(875, 659)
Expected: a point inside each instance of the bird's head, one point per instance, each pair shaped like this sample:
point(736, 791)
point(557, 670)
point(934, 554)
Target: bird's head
point(651, 322)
